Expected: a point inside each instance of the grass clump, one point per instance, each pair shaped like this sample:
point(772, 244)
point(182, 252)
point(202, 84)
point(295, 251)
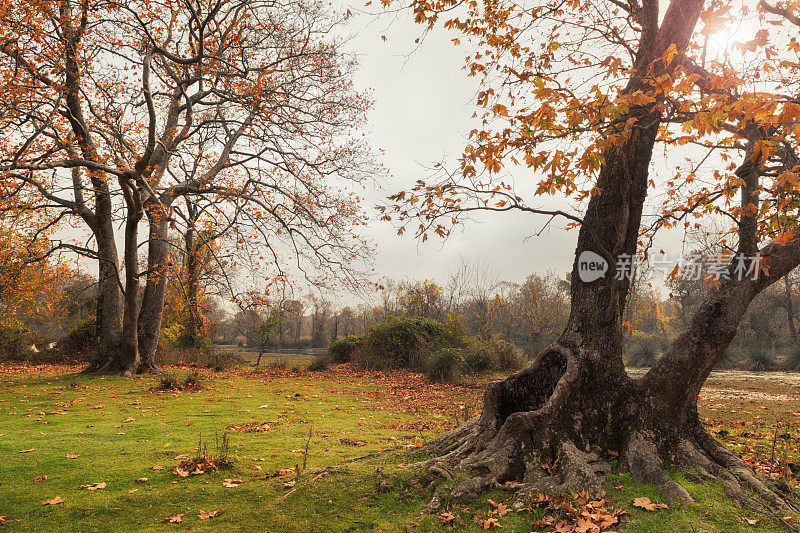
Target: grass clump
point(320, 364)
point(760, 361)
point(728, 360)
point(642, 355)
point(792, 363)
point(170, 382)
point(207, 461)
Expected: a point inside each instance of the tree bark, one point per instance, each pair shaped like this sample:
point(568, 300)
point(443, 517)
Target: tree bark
point(152, 307)
point(194, 246)
point(787, 286)
point(109, 299)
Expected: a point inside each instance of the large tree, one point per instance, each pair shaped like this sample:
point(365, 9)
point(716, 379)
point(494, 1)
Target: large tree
point(582, 92)
point(113, 111)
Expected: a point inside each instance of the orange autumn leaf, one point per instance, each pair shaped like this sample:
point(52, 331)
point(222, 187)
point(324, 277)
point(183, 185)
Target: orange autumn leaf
point(646, 504)
point(205, 515)
point(93, 486)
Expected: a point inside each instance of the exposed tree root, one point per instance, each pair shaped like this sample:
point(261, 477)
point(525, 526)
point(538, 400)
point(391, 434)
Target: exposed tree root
point(535, 450)
point(646, 466)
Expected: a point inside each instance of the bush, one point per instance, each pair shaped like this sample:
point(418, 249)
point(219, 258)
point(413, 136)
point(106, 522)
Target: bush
point(319, 364)
point(481, 358)
point(792, 363)
point(82, 338)
point(179, 336)
point(642, 355)
point(13, 337)
point(759, 361)
point(168, 382)
point(342, 350)
point(424, 345)
point(446, 365)
point(506, 355)
point(219, 360)
point(728, 360)
point(405, 343)
point(192, 382)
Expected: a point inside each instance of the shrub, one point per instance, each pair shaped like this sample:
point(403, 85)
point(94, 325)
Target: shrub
point(424, 345)
point(506, 355)
point(642, 355)
point(319, 364)
point(168, 382)
point(405, 343)
point(759, 361)
point(446, 365)
point(179, 336)
point(192, 382)
point(13, 337)
point(728, 360)
point(219, 360)
point(82, 338)
point(481, 358)
point(341, 350)
point(792, 363)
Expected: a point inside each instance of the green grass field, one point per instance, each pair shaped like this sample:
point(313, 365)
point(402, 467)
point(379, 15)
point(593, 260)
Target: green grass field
point(78, 431)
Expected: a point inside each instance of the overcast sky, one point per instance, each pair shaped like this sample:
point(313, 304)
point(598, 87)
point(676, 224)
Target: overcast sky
point(422, 114)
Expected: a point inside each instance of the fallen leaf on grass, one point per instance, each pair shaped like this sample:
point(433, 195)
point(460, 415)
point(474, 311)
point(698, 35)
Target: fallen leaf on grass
point(752, 521)
point(181, 456)
point(500, 508)
point(54, 501)
point(26, 451)
point(181, 472)
point(490, 523)
point(40, 478)
point(157, 468)
point(543, 522)
point(646, 504)
point(141, 480)
point(177, 519)
point(93, 486)
point(231, 483)
point(132, 491)
point(205, 515)
point(73, 455)
point(447, 517)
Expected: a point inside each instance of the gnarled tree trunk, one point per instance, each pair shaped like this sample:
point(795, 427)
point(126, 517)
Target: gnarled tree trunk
point(575, 402)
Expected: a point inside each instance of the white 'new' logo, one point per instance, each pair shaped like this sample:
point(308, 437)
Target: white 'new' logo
point(591, 266)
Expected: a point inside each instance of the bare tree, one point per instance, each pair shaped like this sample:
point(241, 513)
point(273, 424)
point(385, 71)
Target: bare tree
point(112, 111)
